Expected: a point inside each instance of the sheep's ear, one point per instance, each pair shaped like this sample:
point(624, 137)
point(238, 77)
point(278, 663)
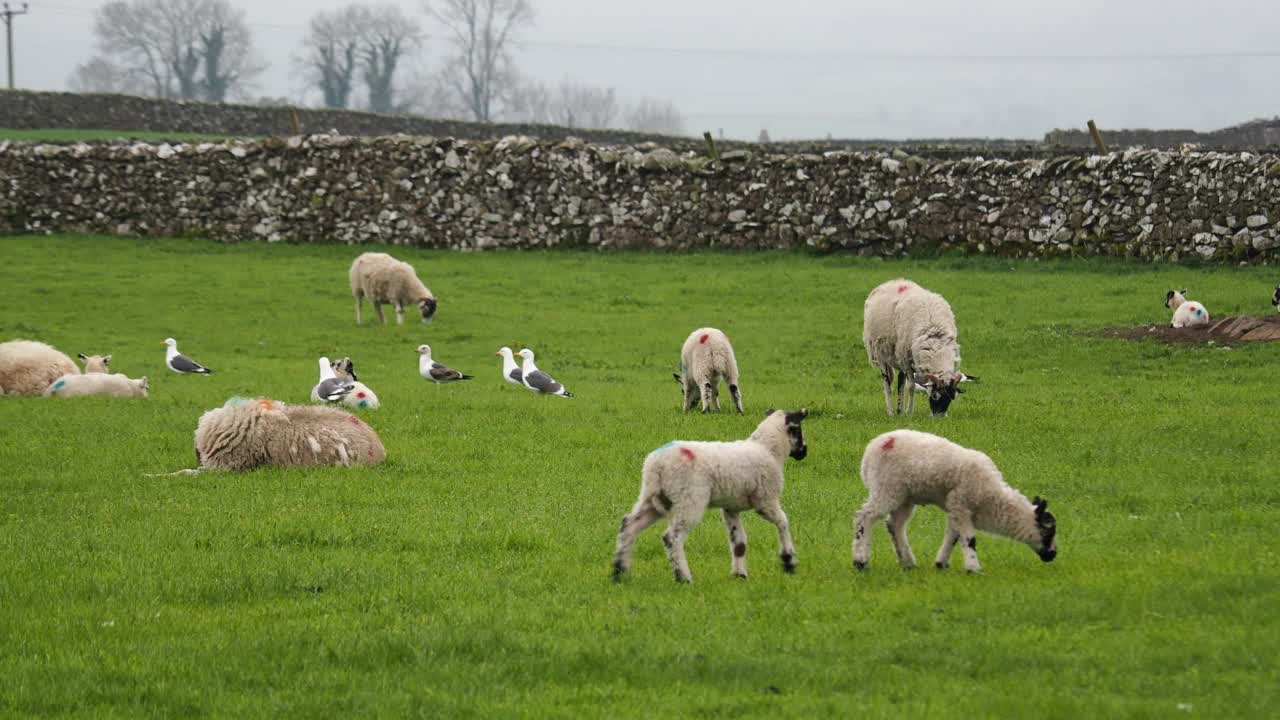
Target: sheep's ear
point(769, 412)
point(678, 378)
point(106, 358)
point(969, 378)
point(1040, 505)
point(924, 381)
point(82, 357)
point(804, 412)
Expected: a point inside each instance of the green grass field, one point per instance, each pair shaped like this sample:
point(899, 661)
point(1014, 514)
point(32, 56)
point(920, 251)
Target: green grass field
point(468, 576)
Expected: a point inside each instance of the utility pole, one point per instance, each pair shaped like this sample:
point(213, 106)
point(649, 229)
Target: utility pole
point(8, 14)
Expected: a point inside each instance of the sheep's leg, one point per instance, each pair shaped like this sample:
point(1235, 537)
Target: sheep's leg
point(962, 523)
point(706, 396)
point(897, 526)
point(399, 313)
point(690, 396)
point(641, 516)
point(904, 398)
point(679, 522)
point(886, 374)
point(737, 542)
point(359, 307)
point(944, 553)
point(774, 514)
point(737, 396)
point(865, 519)
point(715, 397)
point(377, 310)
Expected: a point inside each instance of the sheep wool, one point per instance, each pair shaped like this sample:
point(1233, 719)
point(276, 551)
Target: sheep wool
point(28, 367)
point(249, 432)
point(680, 480)
point(1186, 313)
point(97, 383)
point(360, 397)
point(905, 468)
point(913, 331)
point(384, 279)
point(705, 359)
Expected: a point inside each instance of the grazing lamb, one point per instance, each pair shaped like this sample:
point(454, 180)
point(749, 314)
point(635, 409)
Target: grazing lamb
point(705, 359)
point(95, 363)
point(28, 367)
point(905, 468)
point(1186, 313)
point(681, 480)
point(384, 279)
point(97, 383)
point(248, 432)
point(360, 397)
point(912, 330)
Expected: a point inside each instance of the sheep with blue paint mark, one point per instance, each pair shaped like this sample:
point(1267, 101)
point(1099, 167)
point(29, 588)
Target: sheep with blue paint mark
point(705, 359)
point(905, 468)
point(1186, 313)
point(680, 480)
point(97, 383)
point(361, 396)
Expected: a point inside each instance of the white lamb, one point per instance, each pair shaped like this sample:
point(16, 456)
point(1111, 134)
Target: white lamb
point(681, 480)
point(360, 397)
point(912, 330)
point(905, 468)
point(28, 367)
point(1186, 313)
point(95, 363)
point(384, 279)
point(97, 383)
point(705, 359)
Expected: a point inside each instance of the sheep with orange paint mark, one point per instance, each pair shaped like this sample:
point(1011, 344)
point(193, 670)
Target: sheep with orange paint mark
point(680, 480)
point(905, 468)
point(705, 359)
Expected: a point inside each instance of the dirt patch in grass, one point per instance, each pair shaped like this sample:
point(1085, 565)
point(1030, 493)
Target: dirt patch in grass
point(1244, 328)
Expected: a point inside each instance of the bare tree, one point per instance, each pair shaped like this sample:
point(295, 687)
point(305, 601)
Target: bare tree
point(178, 48)
point(480, 70)
point(653, 116)
point(571, 104)
point(99, 75)
point(328, 57)
point(387, 34)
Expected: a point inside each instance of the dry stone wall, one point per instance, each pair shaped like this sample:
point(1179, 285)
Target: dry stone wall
point(522, 193)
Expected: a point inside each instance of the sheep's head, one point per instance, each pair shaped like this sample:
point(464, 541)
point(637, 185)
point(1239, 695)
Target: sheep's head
point(1275, 297)
point(95, 363)
point(1174, 298)
point(1047, 525)
point(428, 307)
point(943, 389)
point(344, 368)
point(795, 434)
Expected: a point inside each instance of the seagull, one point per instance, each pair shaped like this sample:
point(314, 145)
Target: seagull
point(433, 370)
point(538, 381)
point(331, 388)
point(510, 370)
point(180, 363)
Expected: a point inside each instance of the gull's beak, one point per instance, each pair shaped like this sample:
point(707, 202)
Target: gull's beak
point(497, 353)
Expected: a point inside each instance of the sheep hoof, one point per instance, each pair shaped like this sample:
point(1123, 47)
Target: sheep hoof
point(859, 565)
point(684, 580)
point(941, 565)
point(742, 576)
point(973, 571)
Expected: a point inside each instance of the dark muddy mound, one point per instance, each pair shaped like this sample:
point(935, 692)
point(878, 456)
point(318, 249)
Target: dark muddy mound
point(1245, 328)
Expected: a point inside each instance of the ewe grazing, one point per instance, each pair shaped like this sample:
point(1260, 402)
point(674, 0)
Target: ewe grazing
point(681, 480)
point(28, 367)
point(705, 359)
point(1186, 313)
point(909, 329)
point(905, 468)
point(384, 279)
point(248, 432)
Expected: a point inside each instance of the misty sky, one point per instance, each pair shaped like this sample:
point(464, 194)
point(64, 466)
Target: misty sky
point(806, 68)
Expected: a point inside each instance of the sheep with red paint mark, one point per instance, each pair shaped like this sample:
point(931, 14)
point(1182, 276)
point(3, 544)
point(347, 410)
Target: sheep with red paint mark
point(680, 480)
point(361, 396)
point(908, 329)
point(705, 359)
point(250, 432)
point(1186, 313)
point(905, 468)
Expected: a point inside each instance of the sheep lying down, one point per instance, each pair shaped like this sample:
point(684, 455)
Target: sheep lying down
point(249, 432)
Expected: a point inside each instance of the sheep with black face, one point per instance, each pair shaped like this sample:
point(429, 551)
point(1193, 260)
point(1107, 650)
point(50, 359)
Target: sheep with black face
point(905, 468)
point(1275, 298)
point(680, 480)
point(384, 279)
point(1186, 313)
point(908, 329)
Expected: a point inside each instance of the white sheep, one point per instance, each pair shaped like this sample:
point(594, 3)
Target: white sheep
point(705, 359)
point(360, 397)
point(248, 432)
point(28, 367)
point(384, 279)
point(681, 480)
point(95, 363)
point(905, 468)
point(1186, 313)
point(97, 383)
point(913, 331)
